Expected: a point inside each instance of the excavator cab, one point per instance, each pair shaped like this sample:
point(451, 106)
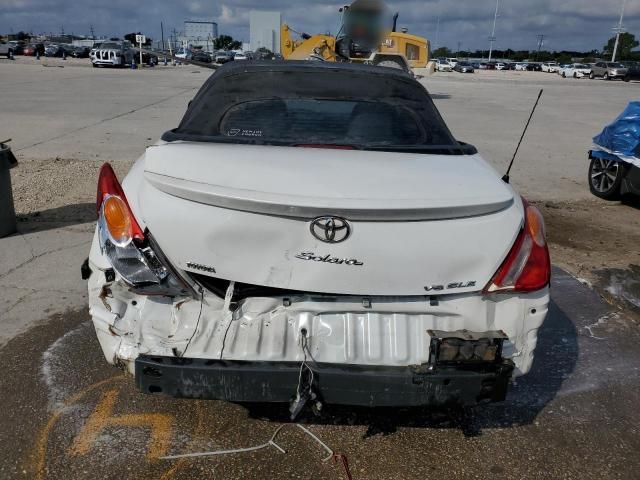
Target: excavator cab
point(362, 29)
point(363, 38)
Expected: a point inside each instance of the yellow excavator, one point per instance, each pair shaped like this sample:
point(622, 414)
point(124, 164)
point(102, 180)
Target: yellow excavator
point(362, 38)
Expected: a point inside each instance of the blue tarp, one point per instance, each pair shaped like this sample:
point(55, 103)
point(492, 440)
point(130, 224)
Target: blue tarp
point(622, 137)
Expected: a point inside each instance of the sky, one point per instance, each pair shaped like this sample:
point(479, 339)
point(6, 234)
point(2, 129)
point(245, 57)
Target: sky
point(581, 25)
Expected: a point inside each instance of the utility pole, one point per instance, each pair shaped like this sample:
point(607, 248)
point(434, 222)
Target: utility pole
point(492, 38)
point(162, 34)
point(93, 33)
point(619, 30)
point(540, 45)
point(437, 32)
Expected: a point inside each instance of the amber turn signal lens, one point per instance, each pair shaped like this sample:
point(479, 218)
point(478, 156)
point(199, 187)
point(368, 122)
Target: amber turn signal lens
point(535, 223)
point(118, 220)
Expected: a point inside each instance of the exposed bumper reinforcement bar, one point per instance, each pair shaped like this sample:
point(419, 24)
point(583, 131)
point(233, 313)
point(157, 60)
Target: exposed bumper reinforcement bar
point(370, 386)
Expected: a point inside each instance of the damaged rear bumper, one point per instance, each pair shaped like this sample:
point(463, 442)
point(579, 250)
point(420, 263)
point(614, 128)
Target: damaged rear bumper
point(358, 385)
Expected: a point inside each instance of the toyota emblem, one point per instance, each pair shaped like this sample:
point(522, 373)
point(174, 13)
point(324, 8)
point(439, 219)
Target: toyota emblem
point(330, 229)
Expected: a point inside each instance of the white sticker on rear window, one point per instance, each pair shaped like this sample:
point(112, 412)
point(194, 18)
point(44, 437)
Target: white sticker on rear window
point(243, 132)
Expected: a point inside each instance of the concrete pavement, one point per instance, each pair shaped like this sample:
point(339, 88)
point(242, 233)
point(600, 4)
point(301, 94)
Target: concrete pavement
point(573, 417)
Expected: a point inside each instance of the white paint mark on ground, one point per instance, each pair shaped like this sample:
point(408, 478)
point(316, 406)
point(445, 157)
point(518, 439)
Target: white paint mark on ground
point(53, 359)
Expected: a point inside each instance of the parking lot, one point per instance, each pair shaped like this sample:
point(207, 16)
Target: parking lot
point(72, 415)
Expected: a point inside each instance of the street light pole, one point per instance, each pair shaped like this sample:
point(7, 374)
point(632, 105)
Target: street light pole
point(619, 31)
point(492, 38)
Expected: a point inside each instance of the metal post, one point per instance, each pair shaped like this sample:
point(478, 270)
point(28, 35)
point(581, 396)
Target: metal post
point(619, 30)
point(492, 38)
point(162, 34)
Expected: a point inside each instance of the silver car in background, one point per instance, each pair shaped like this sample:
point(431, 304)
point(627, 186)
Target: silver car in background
point(609, 70)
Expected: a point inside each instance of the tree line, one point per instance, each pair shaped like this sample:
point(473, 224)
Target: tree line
point(626, 47)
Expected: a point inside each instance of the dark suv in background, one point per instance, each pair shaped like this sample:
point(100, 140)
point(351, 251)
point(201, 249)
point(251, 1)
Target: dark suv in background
point(633, 71)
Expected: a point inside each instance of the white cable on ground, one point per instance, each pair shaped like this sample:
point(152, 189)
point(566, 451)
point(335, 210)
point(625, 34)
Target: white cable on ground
point(270, 443)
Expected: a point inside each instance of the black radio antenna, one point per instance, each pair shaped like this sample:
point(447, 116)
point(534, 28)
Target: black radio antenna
point(506, 178)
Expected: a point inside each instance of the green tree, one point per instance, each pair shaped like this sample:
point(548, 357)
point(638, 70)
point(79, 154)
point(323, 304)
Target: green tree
point(441, 52)
point(627, 43)
point(226, 42)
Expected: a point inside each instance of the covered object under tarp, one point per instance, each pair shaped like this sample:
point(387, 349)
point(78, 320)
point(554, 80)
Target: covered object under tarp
point(621, 139)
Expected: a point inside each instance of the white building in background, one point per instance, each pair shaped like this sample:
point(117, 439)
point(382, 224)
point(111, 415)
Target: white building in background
point(265, 30)
point(199, 33)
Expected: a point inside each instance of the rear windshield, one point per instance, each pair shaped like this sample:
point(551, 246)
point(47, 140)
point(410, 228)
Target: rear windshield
point(302, 121)
point(315, 106)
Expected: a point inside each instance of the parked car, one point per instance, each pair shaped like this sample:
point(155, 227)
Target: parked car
point(120, 54)
point(549, 67)
point(521, 66)
point(443, 66)
point(500, 66)
point(223, 57)
point(32, 49)
point(53, 50)
point(464, 67)
point(575, 70)
point(6, 49)
point(633, 71)
point(608, 71)
point(452, 61)
point(240, 57)
point(81, 52)
point(17, 46)
point(184, 53)
point(534, 67)
point(202, 57)
point(251, 280)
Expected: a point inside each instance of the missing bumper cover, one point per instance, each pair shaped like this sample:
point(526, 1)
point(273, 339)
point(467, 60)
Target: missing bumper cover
point(371, 386)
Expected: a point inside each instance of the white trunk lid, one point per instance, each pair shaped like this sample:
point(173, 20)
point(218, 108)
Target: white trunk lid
point(416, 220)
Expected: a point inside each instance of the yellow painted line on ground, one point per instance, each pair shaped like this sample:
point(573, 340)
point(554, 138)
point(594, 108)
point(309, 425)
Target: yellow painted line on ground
point(42, 442)
point(161, 426)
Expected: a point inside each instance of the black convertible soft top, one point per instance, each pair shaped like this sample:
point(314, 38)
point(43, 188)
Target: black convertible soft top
point(292, 103)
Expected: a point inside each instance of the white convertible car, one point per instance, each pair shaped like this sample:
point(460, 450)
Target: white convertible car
point(314, 232)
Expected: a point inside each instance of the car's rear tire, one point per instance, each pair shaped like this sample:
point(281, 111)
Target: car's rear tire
point(564, 75)
point(627, 79)
point(575, 75)
point(605, 178)
point(606, 76)
point(592, 76)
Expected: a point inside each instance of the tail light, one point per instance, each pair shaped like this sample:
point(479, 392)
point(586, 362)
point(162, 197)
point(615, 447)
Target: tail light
point(527, 268)
point(135, 256)
point(112, 205)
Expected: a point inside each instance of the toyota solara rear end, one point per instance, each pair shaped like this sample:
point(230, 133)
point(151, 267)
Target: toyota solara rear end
point(313, 232)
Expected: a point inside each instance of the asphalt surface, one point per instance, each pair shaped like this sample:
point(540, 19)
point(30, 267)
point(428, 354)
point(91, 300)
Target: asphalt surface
point(70, 415)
